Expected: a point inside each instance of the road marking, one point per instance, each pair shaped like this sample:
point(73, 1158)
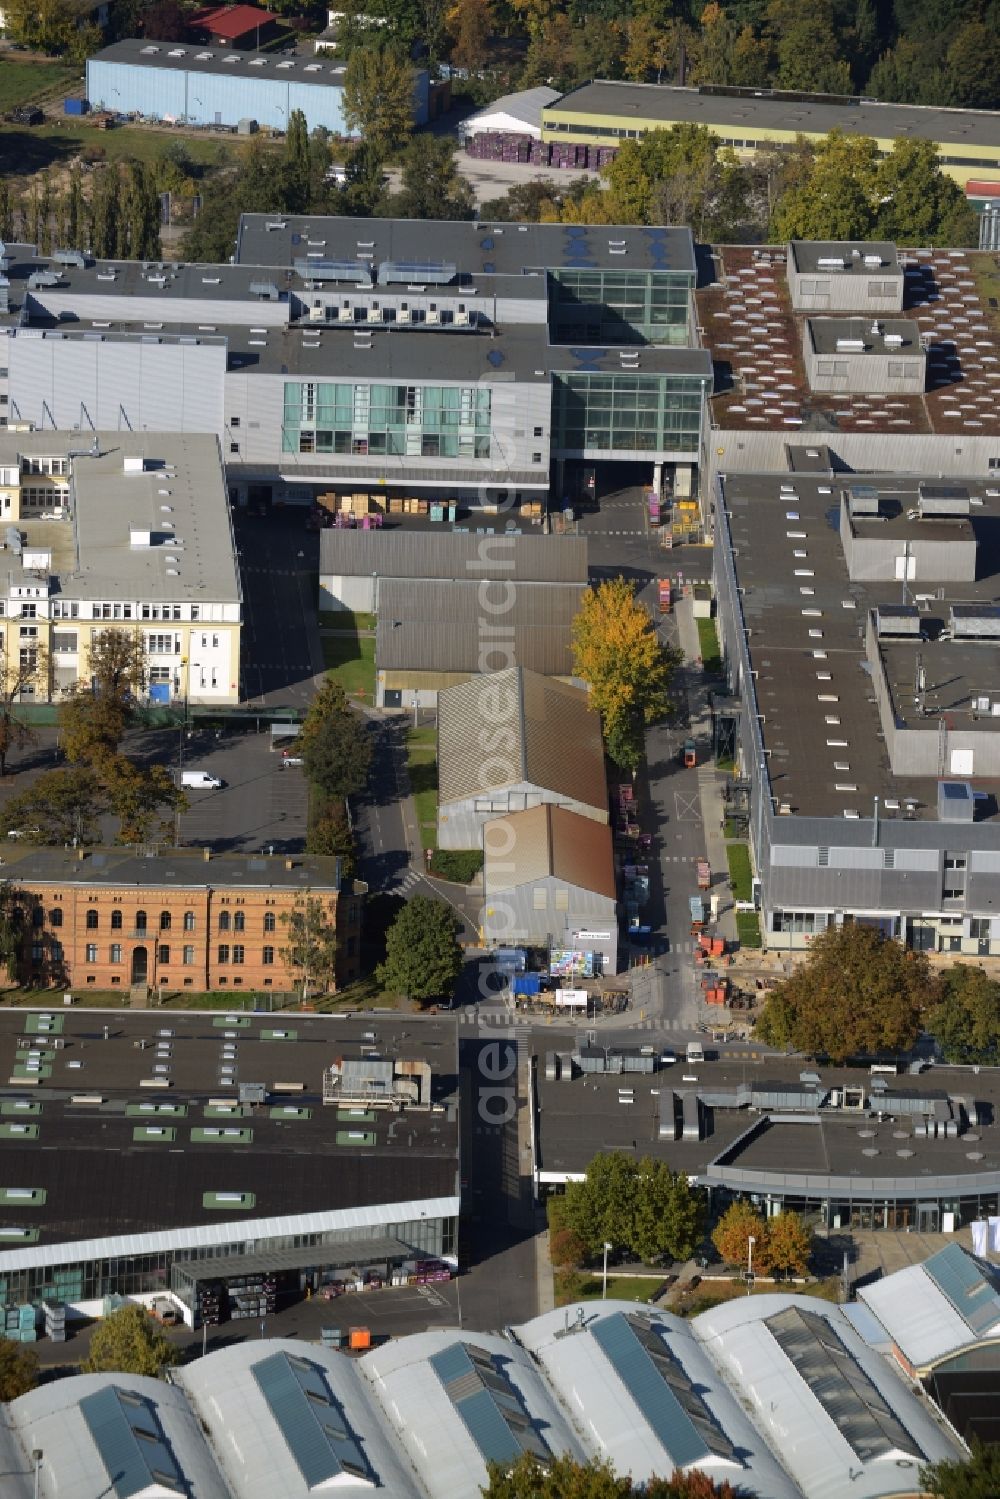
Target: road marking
point(686, 807)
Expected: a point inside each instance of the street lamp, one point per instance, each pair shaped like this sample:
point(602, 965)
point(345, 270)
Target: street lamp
point(751, 1241)
point(604, 1275)
point(36, 1458)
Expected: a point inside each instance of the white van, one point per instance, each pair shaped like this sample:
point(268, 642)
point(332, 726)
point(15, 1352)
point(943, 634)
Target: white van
point(201, 780)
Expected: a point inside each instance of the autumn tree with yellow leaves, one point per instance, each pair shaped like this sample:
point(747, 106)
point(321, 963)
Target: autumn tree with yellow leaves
point(625, 665)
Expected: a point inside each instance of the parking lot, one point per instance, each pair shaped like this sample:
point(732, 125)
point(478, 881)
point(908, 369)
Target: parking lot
point(260, 806)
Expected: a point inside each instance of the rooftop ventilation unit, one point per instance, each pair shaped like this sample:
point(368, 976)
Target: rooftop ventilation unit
point(974, 622)
point(897, 620)
point(862, 499)
point(71, 257)
point(945, 501)
point(430, 272)
point(894, 340)
point(266, 290)
point(353, 272)
point(956, 802)
point(831, 262)
point(850, 346)
point(43, 278)
point(874, 261)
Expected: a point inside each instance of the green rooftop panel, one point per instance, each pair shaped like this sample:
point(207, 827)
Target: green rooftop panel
point(17, 1108)
point(221, 1135)
point(44, 1025)
point(11, 1235)
point(41, 1054)
point(290, 1111)
point(225, 1202)
point(271, 1035)
point(154, 1134)
point(355, 1137)
point(19, 1072)
point(232, 1022)
point(225, 1111)
point(355, 1116)
point(25, 1197)
point(156, 1111)
point(16, 1131)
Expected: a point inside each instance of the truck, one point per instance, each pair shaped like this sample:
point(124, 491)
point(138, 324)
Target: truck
point(704, 872)
point(666, 593)
point(689, 754)
point(697, 908)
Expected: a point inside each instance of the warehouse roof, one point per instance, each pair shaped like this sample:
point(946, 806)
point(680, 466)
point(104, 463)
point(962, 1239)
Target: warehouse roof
point(172, 868)
point(231, 21)
point(534, 719)
point(152, 1163)
point(511, 111)
point(453, 554)
point(159, 530)
point(262, 67)
point(737, 112)
point(549, 842)
point(441, 626)
point(933, 1309)
point(469, 247)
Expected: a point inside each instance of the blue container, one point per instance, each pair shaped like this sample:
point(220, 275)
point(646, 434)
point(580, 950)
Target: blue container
point(75, 106)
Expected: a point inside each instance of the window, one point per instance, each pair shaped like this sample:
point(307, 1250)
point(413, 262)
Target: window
point(91, 922)
point(955, 861)
point(269, 921)
point(56, 916)
point(225, 921)
point(238, 952)
point(64, 640)
point(239, 922)
point(91, 952)
point(267, 956)
point(188, 956)
point(234, 447)
point(223, 952)
point(29, 611)
point(140, 921)
point(164, 921)
point(164, 953)
point(115, 952)
point(163, 645)
point(160, 674)
point(116, 921)
point(63, 610)
point(537, 431)
point(234, 421)
point(37, 916)
point(189, 921)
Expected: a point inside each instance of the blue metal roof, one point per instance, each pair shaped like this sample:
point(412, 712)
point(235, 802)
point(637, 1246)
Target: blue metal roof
point(488, 1404)
point(312, 1423)
point(129, 1438)
point(673, 1409)
point(965, 1282)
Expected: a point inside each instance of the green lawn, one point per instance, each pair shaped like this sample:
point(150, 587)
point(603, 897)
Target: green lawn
point(583, 1287)
point(986, 275)
point(748, 928)
point(708, 644)
point(740, 877)
point(24, 150)
point(351, 660)
point(346, 619)
point(421, 765)
point(23, 82)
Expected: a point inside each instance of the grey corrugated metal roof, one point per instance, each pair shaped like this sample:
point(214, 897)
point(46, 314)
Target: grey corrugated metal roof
point(128, 1435)
point(310, 1421)
point(434, 625)
point(453, 554)
point(969, 1285)
point(539, 718)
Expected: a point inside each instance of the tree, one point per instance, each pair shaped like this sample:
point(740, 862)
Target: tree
point(918, 204)
point(16, 675)
point(335, 743)
point(18, 1369)
point(432, 187)
point(641, 1206)
point(296, 165)
point(470, 24)
point(626, 667)
point(61, 807)
point(966, 1018)
point(787, 1245)
point(116, 664)
point(145, 799)
point(379, 89)
point(972, 64)
point(839, 197)
point(11, 936)
point(422, 956)
point(129, 1342)
point(312, 944)
point(139, 221)
point(857, 993)
point(330, 834)
point(975, 1477)
point(732, 1234)
point(565, 1478)
point(90, 727)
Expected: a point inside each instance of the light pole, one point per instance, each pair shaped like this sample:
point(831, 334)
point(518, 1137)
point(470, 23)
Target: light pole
point(751, 1241)
point(36, 1458)
point(604, 1274)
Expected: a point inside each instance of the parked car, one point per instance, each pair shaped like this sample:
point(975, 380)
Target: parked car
point(23, 832)
point(201, 780)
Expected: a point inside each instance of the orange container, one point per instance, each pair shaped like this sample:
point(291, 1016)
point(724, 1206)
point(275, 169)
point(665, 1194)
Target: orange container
point(360, 1337)
point(718, 947)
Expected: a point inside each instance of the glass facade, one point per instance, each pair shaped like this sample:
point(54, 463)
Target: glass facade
point(142, 1274)
point(401, 421)
point(627, 413)
point(615, 307)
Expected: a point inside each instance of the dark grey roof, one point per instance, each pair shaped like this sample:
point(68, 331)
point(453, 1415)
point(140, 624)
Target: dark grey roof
point(174, 867)
point(858, 257)
point(828, 332)
point(735, 113)
point(453, 554)
point(433, 625)
point(476, 248)
point(225, 61)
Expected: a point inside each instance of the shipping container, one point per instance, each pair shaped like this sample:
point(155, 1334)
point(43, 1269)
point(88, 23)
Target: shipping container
point(76, 106)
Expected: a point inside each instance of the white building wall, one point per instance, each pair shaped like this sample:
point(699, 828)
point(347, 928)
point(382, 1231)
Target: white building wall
point(460, 824)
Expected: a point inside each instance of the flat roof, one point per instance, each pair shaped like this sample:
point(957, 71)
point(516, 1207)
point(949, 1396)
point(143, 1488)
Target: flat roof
point(178, 499)
point(472, 247)
point(821, 725)
point(453, 554)
point(739, 111)
point(100, 1181)
point(575, 1122)
point(217, 59)
point(882, 336)
point(755, 340)
point(858, 257)
point(181, 868)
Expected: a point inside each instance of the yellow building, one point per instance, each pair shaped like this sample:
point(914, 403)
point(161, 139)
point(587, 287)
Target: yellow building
point(122, 529)
point(750, 120)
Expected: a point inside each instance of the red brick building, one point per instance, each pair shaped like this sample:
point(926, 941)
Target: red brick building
point(175, 919)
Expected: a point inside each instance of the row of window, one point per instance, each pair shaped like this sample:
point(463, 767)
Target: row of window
point(234, 921)
point(235, 954)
